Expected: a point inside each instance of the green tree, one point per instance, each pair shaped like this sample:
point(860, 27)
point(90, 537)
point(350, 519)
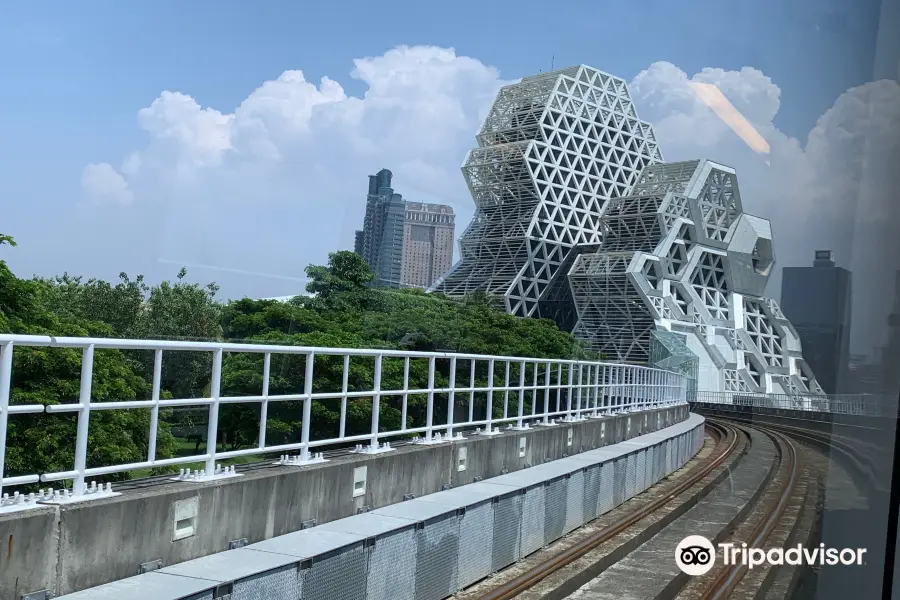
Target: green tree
point(40, 443)
point(342, 284)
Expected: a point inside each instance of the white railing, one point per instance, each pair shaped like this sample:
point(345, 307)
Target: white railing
point(568, 389)
point(870, 405)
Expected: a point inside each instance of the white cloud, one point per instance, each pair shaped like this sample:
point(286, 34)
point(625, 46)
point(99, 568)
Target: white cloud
point(103, 183)
point(281, 181)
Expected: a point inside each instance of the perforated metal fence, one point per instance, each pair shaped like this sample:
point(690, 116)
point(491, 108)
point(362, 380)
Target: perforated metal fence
point(464, 534)
point(870, 405)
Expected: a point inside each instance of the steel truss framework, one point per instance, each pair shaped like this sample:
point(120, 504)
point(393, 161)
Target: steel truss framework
point(553, 149)
point(680, 255)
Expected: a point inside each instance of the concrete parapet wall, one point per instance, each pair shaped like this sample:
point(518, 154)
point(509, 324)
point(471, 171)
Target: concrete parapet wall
point(73, 547)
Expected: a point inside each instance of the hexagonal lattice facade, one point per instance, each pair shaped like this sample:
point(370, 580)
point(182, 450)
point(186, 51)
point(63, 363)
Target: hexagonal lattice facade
point(679, 254)
point(554, 148)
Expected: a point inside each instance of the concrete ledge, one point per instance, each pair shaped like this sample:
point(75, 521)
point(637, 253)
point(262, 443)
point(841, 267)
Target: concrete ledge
point(78, 546)
point(431, 546)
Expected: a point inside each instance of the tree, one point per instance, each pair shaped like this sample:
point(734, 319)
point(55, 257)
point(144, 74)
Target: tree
point(344, 312)
point(36, 443)
point(342, 284)
point(120, 306)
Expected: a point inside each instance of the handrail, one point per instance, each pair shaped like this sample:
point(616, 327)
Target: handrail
point(582, 388)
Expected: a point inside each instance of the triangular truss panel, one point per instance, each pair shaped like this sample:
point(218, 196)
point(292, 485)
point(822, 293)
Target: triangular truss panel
point(679, 255)
point(552, 151)
point(577, 219)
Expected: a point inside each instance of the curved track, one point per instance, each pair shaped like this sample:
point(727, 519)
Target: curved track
point(775, 508)
point(728, 437)
point(723, 585)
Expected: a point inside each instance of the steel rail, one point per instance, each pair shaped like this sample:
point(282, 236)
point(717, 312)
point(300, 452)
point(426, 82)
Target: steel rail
point(728, 440)
point(728, 579)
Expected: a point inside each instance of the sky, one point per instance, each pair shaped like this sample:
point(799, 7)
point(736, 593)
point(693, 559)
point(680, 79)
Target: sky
point(235, 138)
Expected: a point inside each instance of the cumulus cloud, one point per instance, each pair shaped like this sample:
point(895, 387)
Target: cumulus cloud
point(836, 190)
point(102, 183)
point(280, 181)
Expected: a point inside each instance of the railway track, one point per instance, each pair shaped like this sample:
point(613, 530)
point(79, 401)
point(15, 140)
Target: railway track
point(781, 510)
point(729, 442)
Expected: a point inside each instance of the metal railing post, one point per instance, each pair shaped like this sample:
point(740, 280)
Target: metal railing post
point(84, 415)
point(471, 390)
point(345, 378)
point(489, 404)
point(308, 375)
point(578, 394)
point(429, 409)
point(451, 396)
point(506, 392)
point(154, 412)
point(212, 430)
point(546, 394)
point(264, 408)
point(376, 403)
point(521, 394)
point(596, 387)
point(6, 354)
point(559, 383)
point(569, 395)
point(405, 396)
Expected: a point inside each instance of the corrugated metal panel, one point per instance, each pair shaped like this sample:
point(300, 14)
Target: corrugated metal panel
point(555, 509)
point(340, 575)
point(659, 462)
point(591, 493)
point(392, 566)
point(476, 538)
point(619, 489)
point(438, 557)
point(507, 519)
point(533, 517)
point(575, 501)
point(606, 498)
point(670, 456)
point(630, 475)
point(641, 483)
point(280, 584)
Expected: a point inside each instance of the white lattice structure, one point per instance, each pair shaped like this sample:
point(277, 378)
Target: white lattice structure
point(679, 254)
point(554, 148)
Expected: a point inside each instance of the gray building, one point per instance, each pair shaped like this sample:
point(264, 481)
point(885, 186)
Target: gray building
point(427, 243)
point(817, 301)
point(407, 244)
point(380, 241)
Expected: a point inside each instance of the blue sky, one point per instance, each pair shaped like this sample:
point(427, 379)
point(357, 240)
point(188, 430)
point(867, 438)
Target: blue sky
point(76, 76)
point(76, 73)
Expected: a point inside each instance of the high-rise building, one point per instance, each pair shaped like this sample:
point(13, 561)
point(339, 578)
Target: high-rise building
point(407, 244)
point(817, 300)
point(553, 149)
point(427, 243)
point(380, 241)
